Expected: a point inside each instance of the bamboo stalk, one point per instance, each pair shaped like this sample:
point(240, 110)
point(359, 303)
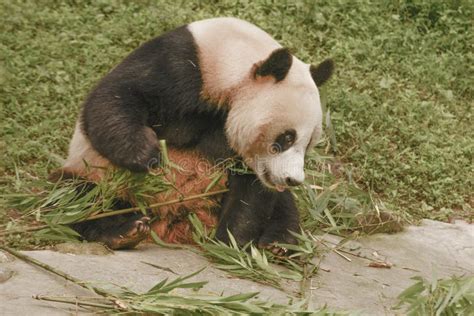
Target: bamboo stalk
point(132, 209)
point(122, 211)
point(342, 255)
point(72, 301)
point(60, 273)
point(23, 230)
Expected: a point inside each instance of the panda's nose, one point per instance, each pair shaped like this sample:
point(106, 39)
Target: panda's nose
point(292, 182)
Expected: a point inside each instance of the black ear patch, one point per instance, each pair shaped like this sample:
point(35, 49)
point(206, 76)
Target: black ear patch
point(322, 72)
point(277, 65)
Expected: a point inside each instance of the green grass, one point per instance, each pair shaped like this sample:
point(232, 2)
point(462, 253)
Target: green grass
point(401, 99)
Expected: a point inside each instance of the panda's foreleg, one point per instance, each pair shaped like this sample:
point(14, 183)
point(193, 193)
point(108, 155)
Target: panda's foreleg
point(116, 126)
point(284, 218)
point(245, 209)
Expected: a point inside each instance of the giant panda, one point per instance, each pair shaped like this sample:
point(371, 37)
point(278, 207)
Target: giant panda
point(213, 89)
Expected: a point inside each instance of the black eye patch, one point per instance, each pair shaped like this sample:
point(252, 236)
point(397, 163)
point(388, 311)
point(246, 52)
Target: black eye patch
point(283, 141)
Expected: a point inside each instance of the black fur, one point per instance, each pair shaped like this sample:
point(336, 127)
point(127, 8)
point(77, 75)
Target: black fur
point(284, 141)
point(322, 72)
point(277, 65)
point(252, 212)
point(107, 228)
point(155, 94)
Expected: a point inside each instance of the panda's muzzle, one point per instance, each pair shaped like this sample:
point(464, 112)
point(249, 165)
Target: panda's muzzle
point(292, 182)
point(289, 182)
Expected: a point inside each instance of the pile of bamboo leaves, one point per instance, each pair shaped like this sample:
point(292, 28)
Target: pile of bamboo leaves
point(332, 206)
point(328, 202)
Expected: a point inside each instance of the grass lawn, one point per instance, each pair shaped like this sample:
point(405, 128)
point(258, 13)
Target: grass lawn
point(401, 99)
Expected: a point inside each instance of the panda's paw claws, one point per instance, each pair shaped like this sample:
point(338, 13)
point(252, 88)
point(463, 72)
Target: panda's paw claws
point(140, 227)
point(275, 249)
point(134, 234)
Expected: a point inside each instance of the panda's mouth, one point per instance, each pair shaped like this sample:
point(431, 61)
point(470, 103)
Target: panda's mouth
point(269, 183)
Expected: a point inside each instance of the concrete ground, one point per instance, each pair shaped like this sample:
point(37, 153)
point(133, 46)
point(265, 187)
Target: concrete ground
point(348, 280)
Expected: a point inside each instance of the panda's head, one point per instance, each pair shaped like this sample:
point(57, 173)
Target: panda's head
point(275, 117)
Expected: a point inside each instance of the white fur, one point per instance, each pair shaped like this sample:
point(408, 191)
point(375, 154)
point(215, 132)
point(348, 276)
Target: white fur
point(83, 160)
point(228, 49)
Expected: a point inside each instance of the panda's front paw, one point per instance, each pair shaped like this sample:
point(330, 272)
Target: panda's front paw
point(141, 155)
point(275, 248)
point(148, 158)
point(274, 240)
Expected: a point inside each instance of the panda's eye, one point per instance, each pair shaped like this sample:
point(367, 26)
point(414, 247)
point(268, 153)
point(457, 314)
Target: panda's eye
point(290, 138)
point(284, 141)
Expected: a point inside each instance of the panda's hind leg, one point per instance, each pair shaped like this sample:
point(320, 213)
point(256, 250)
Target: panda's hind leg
point(116, 232)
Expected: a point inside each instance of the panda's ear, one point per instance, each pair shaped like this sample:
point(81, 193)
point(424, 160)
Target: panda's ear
point(322, 72)
point(276, 65)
